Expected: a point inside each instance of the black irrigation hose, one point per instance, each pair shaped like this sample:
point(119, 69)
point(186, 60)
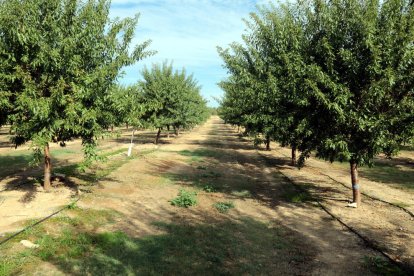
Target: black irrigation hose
point(349, 188)
point(41, 220)
point(367, 241)
point(367, 195)
point(38, 222)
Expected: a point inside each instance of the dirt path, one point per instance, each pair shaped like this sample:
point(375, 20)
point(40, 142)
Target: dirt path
point(214, 156)
point(389, 227)
point(241, 171)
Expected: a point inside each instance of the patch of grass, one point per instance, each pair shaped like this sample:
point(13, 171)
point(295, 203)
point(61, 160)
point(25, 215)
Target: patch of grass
point(59, 238)
point(223, 207)
point(398, 176)
point(209, 189)
point(301, 197)
point(211, 175)
point(401, 204)
point(242, 193)
point(73, 205)
point(380, 266)
point(185, 199)
point(62, 151)
point(245, 248)
point(114, 152)
point(95, 173)
point(201, 167)
point(292, 194)
point(199, 154)
point(19, 160)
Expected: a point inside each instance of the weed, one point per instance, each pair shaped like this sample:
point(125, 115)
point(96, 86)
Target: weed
point(72, 205)
point(295, 197)
point(198, 154)
point(242, 193)
point(223, 207)
point(185, 199)
point(380, 266)
point(209, 189)
point(201, 167)
point(211, 175)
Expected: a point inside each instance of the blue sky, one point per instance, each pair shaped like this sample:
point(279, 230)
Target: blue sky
point(187, 33)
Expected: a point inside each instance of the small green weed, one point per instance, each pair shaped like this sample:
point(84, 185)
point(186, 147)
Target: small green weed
point(211, 175)
point(185, 199)
point(302, 197)
point(381, 266)
point(223, 207)
point(209, 189)
point(72, 205)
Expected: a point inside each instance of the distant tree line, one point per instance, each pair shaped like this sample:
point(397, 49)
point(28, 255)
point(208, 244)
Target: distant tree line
point(331, 77)
point(60, 62)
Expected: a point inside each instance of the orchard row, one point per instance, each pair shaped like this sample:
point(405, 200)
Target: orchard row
point(334, 78)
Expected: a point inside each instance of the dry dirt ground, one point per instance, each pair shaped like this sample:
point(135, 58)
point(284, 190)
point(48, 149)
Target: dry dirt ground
point(214, 155)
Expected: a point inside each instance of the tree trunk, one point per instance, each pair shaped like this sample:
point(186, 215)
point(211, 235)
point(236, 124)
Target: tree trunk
point(356, 192)
point(293, 161)
point(131, 144)
point(176, 130)
point(158, 136)
point(238, 129)
point(168, 131)
point(267, 142)
point(48, 169)
point(112, 128)
point(127, 125)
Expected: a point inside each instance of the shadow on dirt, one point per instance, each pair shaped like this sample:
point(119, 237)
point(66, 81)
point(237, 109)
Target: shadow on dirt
point(245, 246)
point(398, 174)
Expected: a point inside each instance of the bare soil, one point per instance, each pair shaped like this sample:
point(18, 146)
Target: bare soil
point(215, 155)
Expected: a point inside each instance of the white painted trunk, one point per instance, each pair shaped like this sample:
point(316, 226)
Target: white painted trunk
point(130, 149)
point(131, 145)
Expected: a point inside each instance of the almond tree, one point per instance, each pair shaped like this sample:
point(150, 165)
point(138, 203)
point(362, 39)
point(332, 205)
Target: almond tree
point(342, 74)
point(171, 98)
point(360, 74)
point(59, 59)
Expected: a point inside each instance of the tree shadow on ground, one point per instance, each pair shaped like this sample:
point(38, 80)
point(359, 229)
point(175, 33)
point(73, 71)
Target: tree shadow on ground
point(399, 176)
point(30, 182)
point(239, 247)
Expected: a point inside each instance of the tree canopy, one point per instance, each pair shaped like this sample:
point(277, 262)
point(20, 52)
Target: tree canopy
point(336, 78)
point(171, 98)
point(58, 61)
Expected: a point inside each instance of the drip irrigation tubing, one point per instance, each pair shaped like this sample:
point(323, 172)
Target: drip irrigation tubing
point(39, 222)
point(371, 244)
point(349, 188)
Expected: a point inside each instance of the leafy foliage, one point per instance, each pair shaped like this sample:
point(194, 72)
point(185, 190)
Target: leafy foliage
point(185, 199)
point(172, 98)
point(334, 77)
point(223, 207)
point(57, 67)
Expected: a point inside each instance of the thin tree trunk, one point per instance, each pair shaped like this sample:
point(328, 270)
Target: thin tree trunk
point(158, 136)
point(168, 131)
point(48, 169)
point(112, 128)
point(356, 192)
point(127, 125)
point(293, 161)
point(176, 129)
point(267, 142)
point(132, 143)
point(238, 129)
